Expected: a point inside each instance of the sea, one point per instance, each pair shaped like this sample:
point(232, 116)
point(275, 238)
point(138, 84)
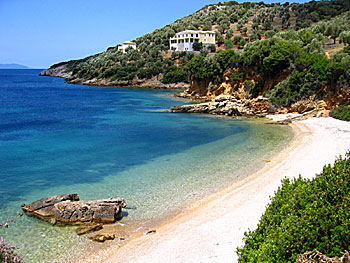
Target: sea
point(101, 142)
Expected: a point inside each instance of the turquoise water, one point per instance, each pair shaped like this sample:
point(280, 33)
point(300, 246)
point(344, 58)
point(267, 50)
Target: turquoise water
point(58, 138)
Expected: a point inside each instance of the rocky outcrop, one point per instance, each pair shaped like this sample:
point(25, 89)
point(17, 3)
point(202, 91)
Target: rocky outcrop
point(155, 82)
point(67, 209)
point(228, 105)
point(57, 71)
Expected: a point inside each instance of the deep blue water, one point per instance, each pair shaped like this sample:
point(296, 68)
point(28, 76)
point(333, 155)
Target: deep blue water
point(101, 142)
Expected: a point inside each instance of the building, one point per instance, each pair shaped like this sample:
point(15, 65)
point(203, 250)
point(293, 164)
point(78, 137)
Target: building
point(127, 44)
point(183, 41)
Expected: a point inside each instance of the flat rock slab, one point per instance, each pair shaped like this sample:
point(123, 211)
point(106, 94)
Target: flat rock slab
point(68, 209)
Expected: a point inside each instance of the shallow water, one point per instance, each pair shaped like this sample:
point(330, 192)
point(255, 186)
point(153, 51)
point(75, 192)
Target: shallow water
point(58, 138)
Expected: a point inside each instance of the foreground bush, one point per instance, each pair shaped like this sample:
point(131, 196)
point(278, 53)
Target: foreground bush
point(341, 113)
point(8, 254)
point(304, 215)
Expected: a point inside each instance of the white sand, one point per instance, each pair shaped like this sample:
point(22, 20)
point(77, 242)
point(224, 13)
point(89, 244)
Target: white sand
point(213, 231)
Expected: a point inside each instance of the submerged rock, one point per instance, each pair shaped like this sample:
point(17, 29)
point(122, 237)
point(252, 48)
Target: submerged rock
point(88, 228)
point(68, 209)
point(102, 237)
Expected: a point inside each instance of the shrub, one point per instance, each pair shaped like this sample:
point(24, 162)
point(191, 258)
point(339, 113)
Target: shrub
point(341, 113)
point(212, 48)
point(236, 76)
point(8, 254)
point(176, 75)
point(197, 46)
point(304, 215)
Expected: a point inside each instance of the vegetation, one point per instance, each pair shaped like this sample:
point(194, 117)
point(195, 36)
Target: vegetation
point(341, 113)
point(304, 215)
point(8, 253)
point(153, 56)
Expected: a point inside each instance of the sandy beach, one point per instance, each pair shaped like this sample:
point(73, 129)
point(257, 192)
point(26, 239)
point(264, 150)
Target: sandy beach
point(212, 230)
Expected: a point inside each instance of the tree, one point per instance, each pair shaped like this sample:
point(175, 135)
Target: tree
point(344, 37)
point(239, 26)
point(229, 34)
point(207, 26)
point(219, 38)
point(234, 17)
point(198, 68)
point(270, 33)
point(242, 42)
point(229, 44)
point(212, 48)
point(237, 38)
point(255, 25)
point(197, 46)
point(332, 30)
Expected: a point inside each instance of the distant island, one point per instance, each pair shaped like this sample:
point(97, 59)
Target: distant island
point(13, 66)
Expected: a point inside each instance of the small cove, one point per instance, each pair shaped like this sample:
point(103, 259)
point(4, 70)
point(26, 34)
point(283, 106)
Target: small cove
point(107, 142)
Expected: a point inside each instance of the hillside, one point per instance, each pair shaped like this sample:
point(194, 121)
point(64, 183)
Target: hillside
point(286, 52)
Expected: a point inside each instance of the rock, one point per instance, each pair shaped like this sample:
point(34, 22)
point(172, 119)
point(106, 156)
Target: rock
point(319, 114)
point(43, 207)
point(53, 221)
point(57, 71)
point(153, 231)
point(68, 209)
point(102, 237)
point(88, 228)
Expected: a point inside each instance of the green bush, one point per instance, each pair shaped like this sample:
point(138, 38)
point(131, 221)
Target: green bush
point(176, 74)
point(197, 46)
point(236, 76)
point(341, 113)
point(304, 215)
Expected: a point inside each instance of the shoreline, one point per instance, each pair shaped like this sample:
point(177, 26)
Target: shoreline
point(202, 236)
point(211, 229)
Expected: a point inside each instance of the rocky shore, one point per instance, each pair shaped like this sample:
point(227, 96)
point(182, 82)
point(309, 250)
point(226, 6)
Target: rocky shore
point(222, 102)
point(153, 83)
point(228, 105)
point(259, 107)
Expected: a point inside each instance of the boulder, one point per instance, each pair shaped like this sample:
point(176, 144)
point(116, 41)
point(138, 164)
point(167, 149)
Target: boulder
point(43, 207)
point(102, 237)
point(68, 209)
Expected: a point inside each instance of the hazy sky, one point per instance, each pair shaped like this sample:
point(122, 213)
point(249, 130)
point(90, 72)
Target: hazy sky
point(39, 33)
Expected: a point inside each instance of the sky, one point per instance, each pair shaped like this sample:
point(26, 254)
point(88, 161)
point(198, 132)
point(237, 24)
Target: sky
point(39, 33)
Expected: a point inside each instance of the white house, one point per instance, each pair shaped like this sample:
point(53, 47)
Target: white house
point(183, 41)
point(127, 44)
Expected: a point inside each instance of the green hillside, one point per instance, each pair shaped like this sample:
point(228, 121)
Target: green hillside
point(295, 50)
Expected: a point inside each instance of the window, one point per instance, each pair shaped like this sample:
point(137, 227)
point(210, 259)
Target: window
point(196, 35)
point(191, 35)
